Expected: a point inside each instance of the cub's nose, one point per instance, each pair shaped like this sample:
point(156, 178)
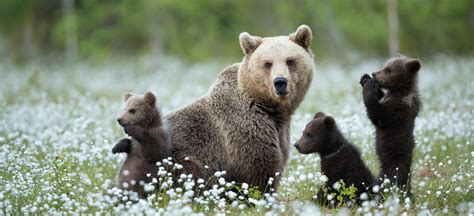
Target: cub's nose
point(280, 84)
point(373, 75)
point(119, 120)
point(297, 146)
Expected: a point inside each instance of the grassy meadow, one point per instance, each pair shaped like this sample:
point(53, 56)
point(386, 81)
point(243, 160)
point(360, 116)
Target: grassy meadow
point(57, 129)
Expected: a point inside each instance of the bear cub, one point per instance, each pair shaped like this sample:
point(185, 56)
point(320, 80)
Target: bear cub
point(392, 102)
point(340, 159)
point(149, 143)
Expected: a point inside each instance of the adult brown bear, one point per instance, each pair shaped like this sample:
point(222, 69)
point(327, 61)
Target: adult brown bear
point(242, 125)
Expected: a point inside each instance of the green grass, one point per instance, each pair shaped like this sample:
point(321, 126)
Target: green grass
point(57, 128)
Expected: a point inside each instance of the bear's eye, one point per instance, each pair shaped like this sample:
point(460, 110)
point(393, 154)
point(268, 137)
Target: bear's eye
point(132, 111)
point(387, 70)
point(268, 65)
point(290, 62)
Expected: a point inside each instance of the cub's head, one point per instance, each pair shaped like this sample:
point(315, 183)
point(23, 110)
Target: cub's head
point(139, 109)
point(398, 72)
point(318, 135)
point(277, 69)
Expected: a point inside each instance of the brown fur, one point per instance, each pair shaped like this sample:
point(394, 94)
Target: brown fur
point(149, 144)
point(243, 124)
point(340, 159)
point(393, 114)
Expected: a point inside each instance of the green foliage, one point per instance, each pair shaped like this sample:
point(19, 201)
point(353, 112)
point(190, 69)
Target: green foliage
point(209, 29)
point(345, 194)
point(253, 192)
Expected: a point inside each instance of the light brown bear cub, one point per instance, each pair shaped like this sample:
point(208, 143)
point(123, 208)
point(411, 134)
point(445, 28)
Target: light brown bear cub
point(149, 142)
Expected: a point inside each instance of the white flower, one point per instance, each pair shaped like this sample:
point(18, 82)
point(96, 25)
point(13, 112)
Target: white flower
point(364, 196)
point(221, 181)
point(376, 189)
point(336, 185)
point(245, 186)
point(323, 178)
point(330, 196)
point(231, 195)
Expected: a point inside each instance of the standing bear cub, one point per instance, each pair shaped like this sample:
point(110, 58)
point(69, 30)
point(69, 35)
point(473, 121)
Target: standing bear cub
point(340, 159)
point(149, 142)
point(392, 102)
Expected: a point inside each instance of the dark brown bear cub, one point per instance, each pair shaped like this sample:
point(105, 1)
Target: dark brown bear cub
point(149, 143)
point(340, 159)
point(392, 102)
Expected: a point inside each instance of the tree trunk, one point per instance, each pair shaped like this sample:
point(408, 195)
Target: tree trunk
point(393, 41)
point(67, 6)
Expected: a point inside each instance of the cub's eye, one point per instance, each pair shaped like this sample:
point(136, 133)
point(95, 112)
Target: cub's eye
point(387, 70)
point(268, 65)
point(290, 62)
point(132, 111)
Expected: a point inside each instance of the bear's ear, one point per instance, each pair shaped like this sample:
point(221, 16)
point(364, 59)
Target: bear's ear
point(413, 65)
point(302, 36)
point(126, 96)
point(319, 114)
point(399, 55)
point(249, 43)
point(329, 122)
point(149, 98)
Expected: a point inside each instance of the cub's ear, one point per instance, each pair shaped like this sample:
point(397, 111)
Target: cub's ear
point(126, 96)
point(302, 36)
point(329, 122)
point(399, 55)
point(249, 43)
point(149, 98)
point(413, 65)
point(319, 114)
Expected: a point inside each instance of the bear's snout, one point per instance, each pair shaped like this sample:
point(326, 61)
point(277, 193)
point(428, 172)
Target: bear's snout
point(120, 120)
point(297, 146)
point(280, 84)
point(373, 75)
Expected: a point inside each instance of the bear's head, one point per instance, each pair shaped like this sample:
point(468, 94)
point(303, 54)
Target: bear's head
point(319, 136)
point(140, 110)
point(399, 72)
point(277, 70)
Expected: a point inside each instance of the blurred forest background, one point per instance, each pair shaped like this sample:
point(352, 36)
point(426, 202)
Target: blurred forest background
point(201, 30)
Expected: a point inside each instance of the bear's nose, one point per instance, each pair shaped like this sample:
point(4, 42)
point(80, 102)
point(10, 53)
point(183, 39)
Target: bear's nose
point(119, 120)
point(297, 146)
point(373, 75)
point(280, 84)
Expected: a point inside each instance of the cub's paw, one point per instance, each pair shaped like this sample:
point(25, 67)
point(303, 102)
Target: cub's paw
point(364, 79)
point(123, 146)
point(371, 85)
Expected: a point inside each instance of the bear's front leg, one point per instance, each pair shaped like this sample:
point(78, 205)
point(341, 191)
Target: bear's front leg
point(123, 146)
